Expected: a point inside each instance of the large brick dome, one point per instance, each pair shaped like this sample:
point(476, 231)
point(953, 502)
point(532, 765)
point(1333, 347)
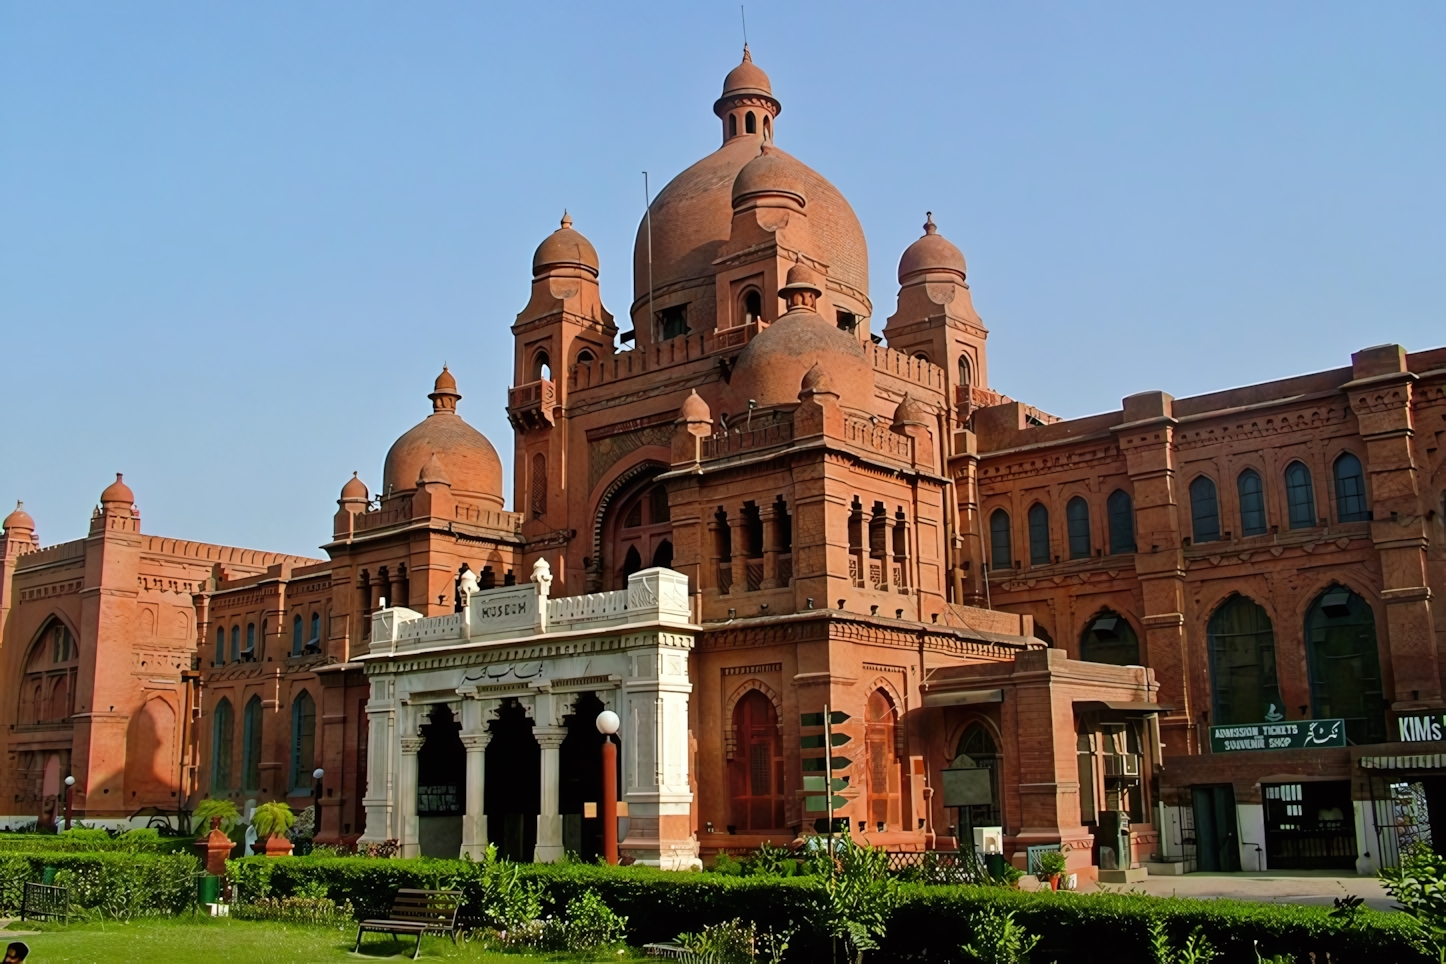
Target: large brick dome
point(770, 370)
point(692, 216)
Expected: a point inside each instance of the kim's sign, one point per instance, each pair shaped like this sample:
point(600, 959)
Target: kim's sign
point(1421, 727)
point(1285, 735)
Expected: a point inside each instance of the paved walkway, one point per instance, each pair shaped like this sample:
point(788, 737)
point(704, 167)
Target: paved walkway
point(1277, 887)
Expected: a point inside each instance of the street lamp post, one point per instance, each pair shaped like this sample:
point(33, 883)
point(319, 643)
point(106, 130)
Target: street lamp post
point(69, 798)
point(607, 725)
point(316, 776)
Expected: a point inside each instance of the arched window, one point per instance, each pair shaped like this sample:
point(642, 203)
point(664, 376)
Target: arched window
point(1038, 535)
point(235, 642)
point(1350, 490)
point(1299, 496)
point(732, 125)
point(1243, 686)
point(1252, 503)
point(1345, 667)
point(586, 357)
point(1121, 511)
point(1204, 510)
point(539, 485)
point(220, 645)
point(250, 649)
point(756, 771)
point(752, 306)
point(965, 372)
point(663, 555)
point(632, 562)
point(767, 128)
point(881, 741)
point(1109, 638)
point(59, 699)
point(296, 639)
point(303, 741)
point(750, 123)
point(315, 639)
point(977, 748)
point(541, 366)
point(1077, 518)
point(1000, 552)
point(921, 356)
point(251, 745)
point(222, 726)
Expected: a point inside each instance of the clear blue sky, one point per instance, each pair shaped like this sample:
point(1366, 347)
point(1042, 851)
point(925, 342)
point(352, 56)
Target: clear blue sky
point(238, 241)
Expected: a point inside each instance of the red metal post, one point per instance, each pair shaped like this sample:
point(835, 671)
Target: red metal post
point(610, 800)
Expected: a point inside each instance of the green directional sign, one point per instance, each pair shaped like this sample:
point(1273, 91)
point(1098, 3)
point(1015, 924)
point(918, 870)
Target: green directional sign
point(838, 763)
point(816, 719)
point(824, 784)
point(822, 804)
point(817, 742)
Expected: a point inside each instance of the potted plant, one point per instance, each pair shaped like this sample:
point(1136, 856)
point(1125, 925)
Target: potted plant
point(1051, 867)
point(212, 820)
point(271, 820)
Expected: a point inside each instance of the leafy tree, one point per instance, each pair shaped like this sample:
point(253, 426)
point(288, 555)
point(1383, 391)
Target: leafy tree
point(1419, 885)
point(272, 819)
point(208, 808)
point(999, 939)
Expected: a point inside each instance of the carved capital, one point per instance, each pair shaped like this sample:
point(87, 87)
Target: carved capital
point(411, 744)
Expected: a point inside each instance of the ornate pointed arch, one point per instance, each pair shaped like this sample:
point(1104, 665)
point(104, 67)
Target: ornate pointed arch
point(730, 735)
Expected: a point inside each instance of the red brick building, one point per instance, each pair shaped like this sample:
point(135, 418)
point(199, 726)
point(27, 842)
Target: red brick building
point(864, 524)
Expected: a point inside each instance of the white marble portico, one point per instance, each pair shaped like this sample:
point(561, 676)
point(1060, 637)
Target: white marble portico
point(629, 648)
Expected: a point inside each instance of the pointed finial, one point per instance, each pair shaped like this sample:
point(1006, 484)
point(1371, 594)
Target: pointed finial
point(747, 57)
point(929, 226)
point(566, 219)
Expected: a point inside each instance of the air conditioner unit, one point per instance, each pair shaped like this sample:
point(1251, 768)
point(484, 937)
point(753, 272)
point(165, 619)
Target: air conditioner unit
point(1127, 765)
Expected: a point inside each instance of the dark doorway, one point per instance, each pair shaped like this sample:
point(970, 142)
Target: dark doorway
point(580, 763)
point(1217, 841)
point(1310, 826)
point(441, 782)
point(512, 784)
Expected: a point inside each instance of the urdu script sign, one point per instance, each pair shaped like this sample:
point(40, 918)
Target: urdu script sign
point(1285, 735)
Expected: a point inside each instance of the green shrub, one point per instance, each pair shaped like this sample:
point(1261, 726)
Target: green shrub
point(105, 883)
point(998, 939)
point(587, 925)
point(272, 819)
point(89, 839)
point(930, 921)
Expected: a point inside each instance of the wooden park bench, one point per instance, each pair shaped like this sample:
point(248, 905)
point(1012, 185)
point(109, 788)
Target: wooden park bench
point(45, 902)
point(417, 912)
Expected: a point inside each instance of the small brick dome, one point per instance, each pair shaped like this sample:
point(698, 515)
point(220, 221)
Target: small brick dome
point(771, 369)
point(464, 455)
point(932, 252)
point(747, 78)
point(565, 248)
point(355, 489)
point(118, 492)
point(19, 519)
point(771, 172)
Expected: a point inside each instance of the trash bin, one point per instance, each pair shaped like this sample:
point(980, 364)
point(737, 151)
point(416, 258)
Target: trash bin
point(994, 863)
point(208, 889)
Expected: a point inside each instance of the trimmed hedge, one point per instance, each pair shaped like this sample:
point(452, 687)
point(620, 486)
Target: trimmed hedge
point(931, 923)
point(118, 885)
point(89, 840)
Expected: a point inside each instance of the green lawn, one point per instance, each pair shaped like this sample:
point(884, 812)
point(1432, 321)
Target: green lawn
point(204, 940)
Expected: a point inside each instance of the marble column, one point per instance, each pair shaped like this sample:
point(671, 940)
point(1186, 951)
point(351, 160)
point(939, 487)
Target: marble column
point(407, 797)
point(549, 819)
point(474, 821)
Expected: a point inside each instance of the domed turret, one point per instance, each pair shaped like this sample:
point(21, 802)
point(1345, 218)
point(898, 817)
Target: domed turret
point(18, 520)
point(565, 248)
point(463, 455)
point(694, 409)
point(355, 490)
point(118, 494)
point(911, 411)
point(746, 78)
point(931, 253)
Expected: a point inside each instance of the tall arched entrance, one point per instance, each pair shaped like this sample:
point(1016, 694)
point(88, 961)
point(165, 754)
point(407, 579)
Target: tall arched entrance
point(880, 738)
point(755, 774)
point(512, 784)
point(441, 782)
point(1243, 685)
point(1345, 665)
point(637, 531)
point(580, 779)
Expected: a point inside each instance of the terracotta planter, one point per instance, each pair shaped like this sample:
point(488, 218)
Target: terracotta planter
point(278, 846)
point(215, 847)
point(1054, 883)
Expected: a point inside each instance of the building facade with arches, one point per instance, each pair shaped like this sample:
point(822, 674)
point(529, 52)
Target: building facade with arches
point(853, 518)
